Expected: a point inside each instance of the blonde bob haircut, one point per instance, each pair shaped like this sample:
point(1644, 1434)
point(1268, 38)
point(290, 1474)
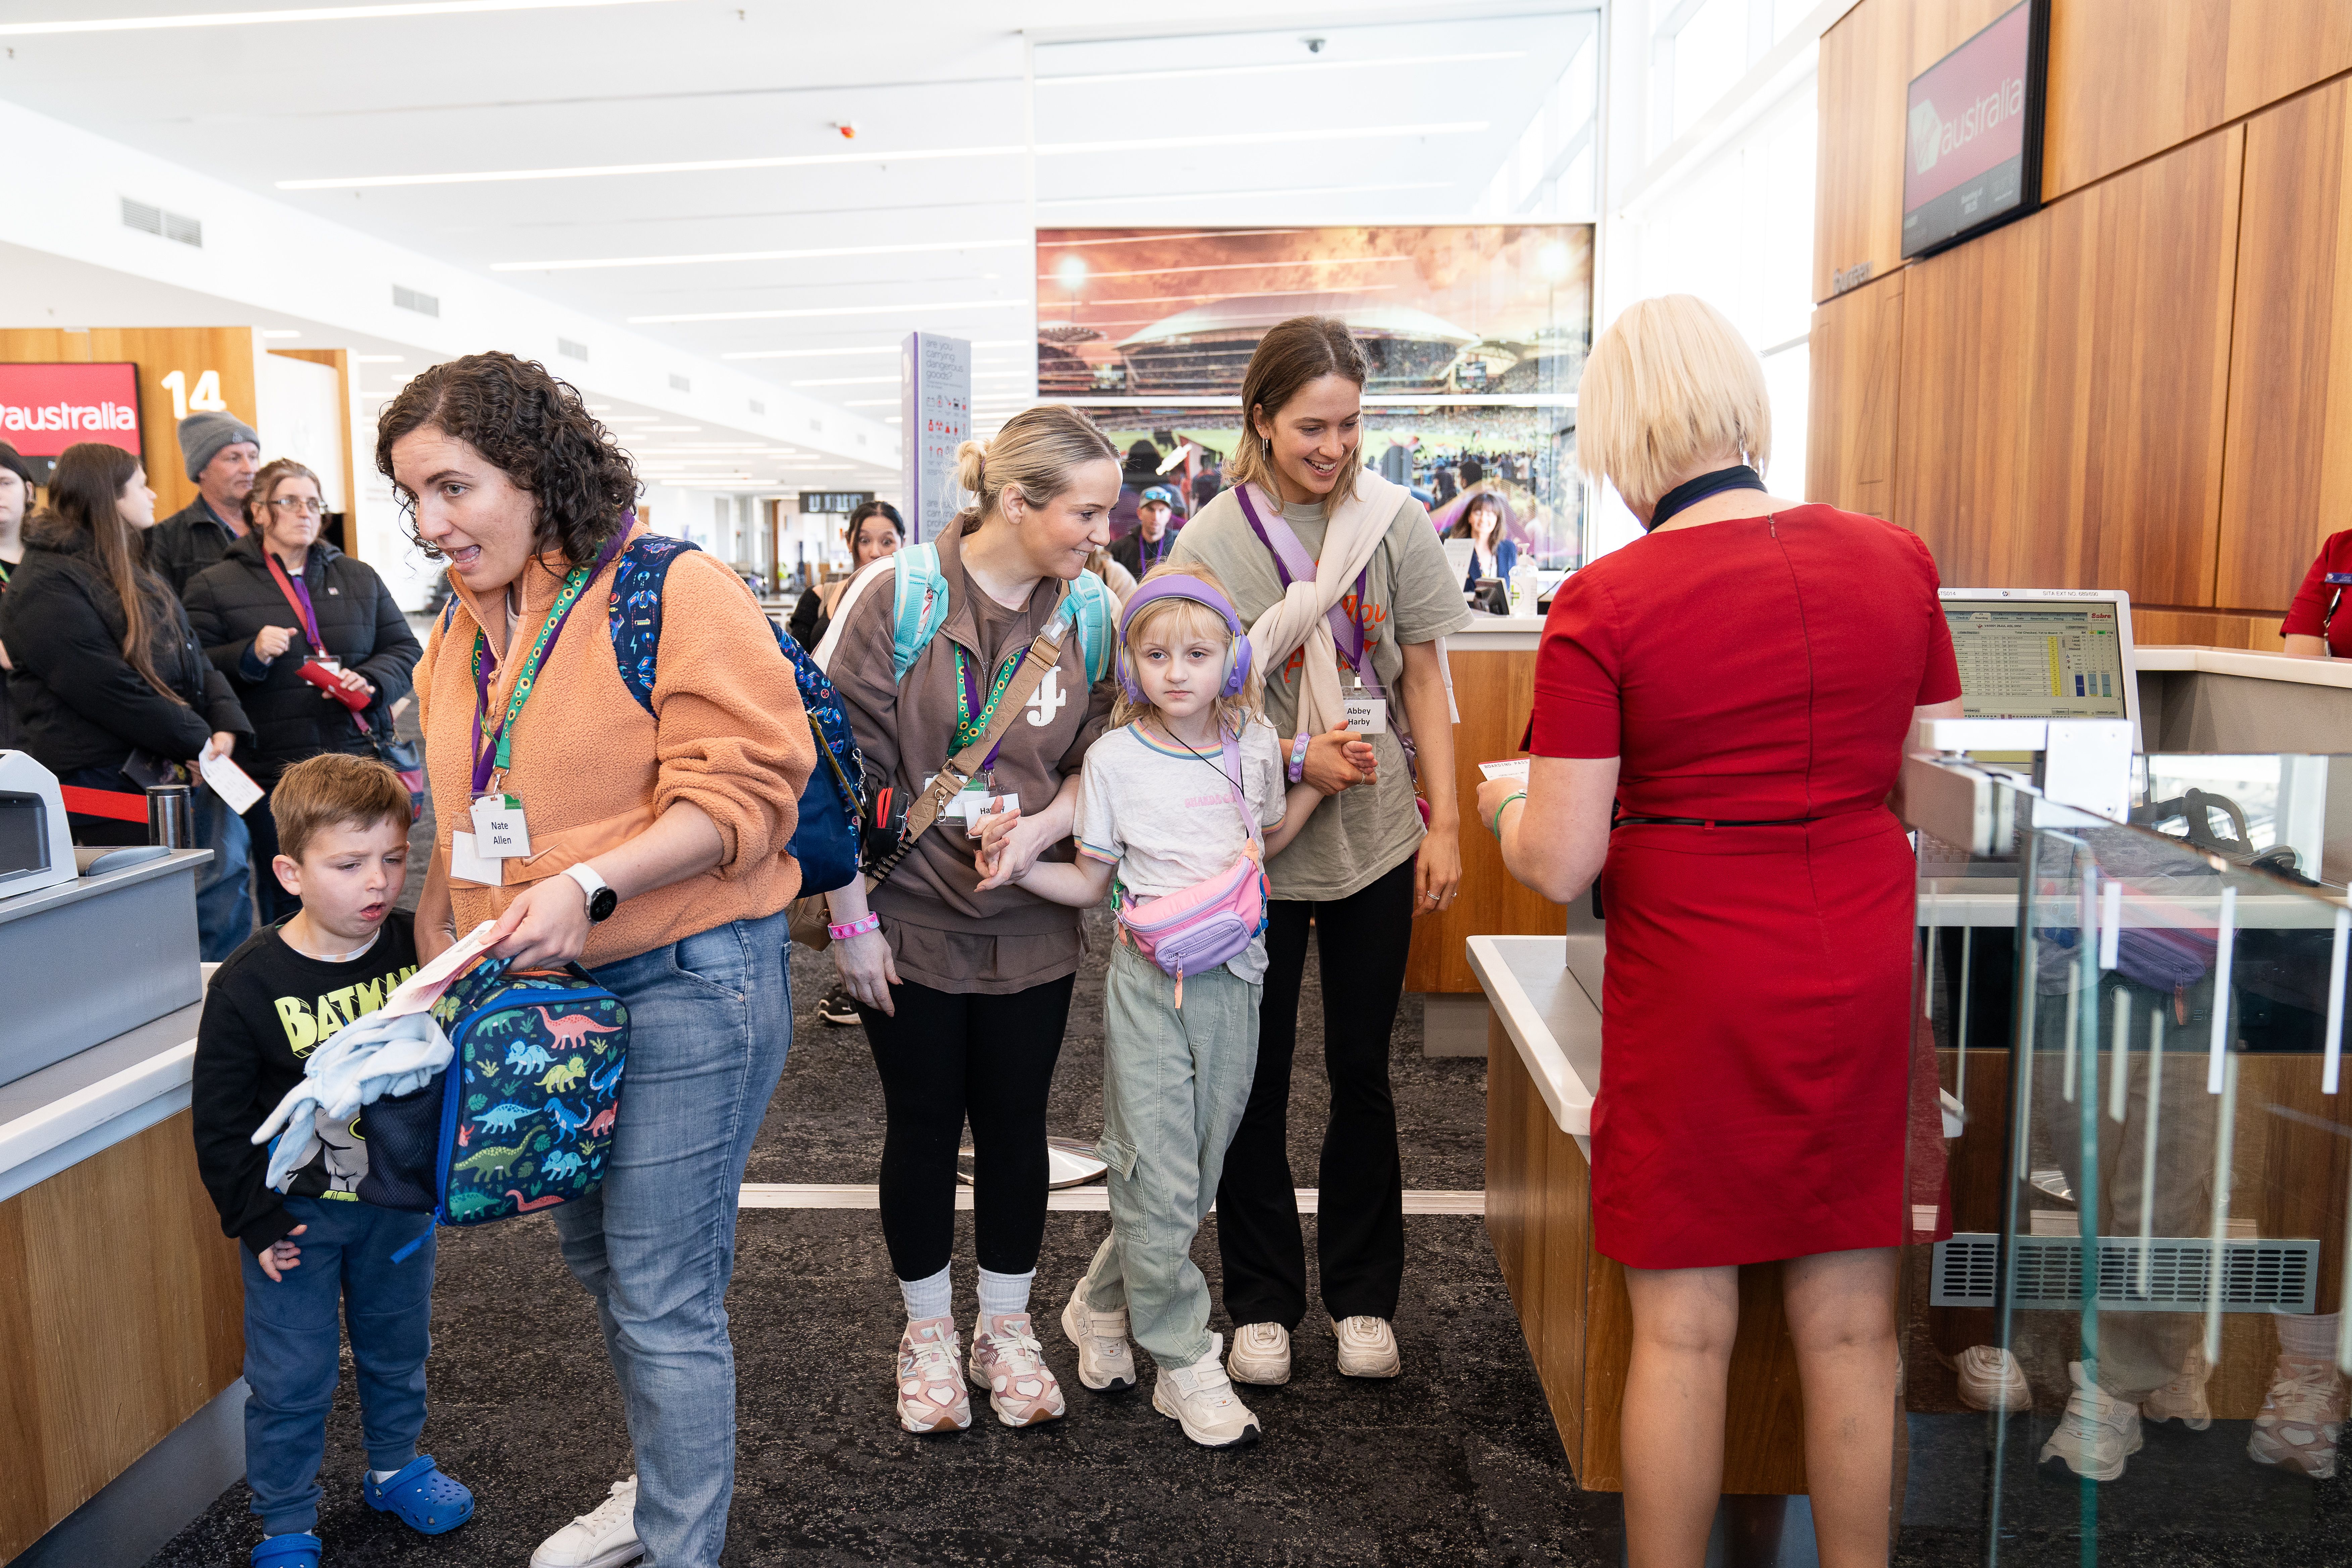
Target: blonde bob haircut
point(1031, 455)
point(1172, 620)
point(1669, 386)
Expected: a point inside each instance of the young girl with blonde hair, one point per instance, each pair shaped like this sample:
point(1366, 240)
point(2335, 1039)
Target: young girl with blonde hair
point(1178, 804)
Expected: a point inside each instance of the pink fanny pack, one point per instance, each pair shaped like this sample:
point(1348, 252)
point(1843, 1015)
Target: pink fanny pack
point(1212, 921)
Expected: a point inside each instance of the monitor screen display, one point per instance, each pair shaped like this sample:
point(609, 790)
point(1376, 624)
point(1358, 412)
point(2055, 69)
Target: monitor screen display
point(2038, 660)
point(1972, 138)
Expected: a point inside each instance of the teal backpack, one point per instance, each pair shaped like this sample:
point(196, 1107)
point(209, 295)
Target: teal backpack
point(918, 607)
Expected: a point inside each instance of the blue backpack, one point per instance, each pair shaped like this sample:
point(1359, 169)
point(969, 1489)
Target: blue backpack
point(825, 840)
point(522, 1118)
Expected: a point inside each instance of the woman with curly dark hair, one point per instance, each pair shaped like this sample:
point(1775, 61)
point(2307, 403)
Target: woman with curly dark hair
point(657, 756)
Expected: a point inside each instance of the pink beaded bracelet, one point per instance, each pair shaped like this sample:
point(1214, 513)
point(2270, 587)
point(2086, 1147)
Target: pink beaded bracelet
point(867, 921)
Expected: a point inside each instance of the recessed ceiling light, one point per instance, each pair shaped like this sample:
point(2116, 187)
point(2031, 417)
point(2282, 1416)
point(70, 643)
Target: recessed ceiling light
point(280, 333)
point(871, 402)
point(673, 426)
point(379, 359)
point(911, 310)
point(586, 264)
point(861, 349)
point(305, 14)
point(1089, 76)
point(1042, 150)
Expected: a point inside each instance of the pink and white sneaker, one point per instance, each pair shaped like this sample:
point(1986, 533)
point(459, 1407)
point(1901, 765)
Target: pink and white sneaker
point(1007, 1361)
point(2301, 1419)
point(931, 1395)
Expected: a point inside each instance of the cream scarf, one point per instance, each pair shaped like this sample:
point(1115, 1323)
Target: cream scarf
point(1301, 617)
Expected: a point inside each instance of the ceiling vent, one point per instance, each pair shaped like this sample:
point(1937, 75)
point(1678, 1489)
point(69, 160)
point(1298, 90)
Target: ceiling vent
point(155, 220)
point(680, 384)
point(571, 350)
point(411, 300)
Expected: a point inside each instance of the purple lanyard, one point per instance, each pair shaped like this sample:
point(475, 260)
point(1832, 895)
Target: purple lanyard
point(1292, 564)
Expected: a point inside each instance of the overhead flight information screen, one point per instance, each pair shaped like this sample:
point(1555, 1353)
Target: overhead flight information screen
point(2038, 660)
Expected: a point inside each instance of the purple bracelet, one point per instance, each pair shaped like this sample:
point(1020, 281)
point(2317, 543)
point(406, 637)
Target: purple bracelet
point(1298, 757)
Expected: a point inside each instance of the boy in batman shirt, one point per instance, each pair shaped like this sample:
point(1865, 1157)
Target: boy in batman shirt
point(316, 1253)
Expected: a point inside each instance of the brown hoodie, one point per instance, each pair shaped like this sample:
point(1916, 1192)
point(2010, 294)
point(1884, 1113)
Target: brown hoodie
point(944, 932)
point(593, 769)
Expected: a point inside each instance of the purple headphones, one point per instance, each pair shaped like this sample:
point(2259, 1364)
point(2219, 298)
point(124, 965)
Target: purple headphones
point(1182, 585)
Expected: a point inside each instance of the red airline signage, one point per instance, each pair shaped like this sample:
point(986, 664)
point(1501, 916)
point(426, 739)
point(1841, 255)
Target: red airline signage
point(1972, 132)
point(44, 408)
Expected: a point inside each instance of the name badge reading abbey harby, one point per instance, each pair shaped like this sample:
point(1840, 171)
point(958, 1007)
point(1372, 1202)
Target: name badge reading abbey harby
point(499, 831)
point(1366, 714)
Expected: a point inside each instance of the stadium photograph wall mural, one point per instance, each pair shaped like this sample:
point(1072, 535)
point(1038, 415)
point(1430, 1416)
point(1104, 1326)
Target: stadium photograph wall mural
point(1477, 334)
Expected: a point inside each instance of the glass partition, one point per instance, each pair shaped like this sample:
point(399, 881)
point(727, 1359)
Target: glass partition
point(2125, 1344)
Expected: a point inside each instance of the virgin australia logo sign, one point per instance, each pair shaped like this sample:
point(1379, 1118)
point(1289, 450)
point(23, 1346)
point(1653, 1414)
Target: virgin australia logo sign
point(1926, 134)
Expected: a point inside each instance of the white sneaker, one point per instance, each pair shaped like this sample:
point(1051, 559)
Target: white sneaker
point(1106, 1361)
point(1368, 1348)
point(1991, 1379)
point(2301, 1418)
point(1200, 1399)
point(2183, 1399)
point(1261, 1354)
point(605, 1537)
point(2097, 1433)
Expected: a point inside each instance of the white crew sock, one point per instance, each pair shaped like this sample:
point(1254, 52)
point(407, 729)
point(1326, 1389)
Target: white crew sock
point(2307, 1337)
point(928, 1298)
point(1001, 1295)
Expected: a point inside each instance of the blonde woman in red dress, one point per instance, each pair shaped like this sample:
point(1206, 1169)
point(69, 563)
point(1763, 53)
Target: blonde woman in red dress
point(1738, 683)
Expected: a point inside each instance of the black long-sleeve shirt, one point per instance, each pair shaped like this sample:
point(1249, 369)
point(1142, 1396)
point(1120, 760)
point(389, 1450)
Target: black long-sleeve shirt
point(268, 1008)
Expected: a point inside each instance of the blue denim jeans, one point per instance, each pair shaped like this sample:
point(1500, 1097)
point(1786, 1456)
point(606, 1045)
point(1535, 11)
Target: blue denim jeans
point(1175, 1082)
point(709, 1021)
point(225, 887)
point(292, 1350)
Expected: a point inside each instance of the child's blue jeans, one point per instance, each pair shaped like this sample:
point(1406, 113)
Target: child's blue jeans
point(293, 1353)
point(1175, 1082)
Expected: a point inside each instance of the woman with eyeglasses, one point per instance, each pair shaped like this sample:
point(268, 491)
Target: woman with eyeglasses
point(311, 641)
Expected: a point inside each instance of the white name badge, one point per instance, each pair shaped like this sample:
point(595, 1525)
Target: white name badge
point(467, 865)
point(976, 806)
point(1367, 715)
point(499, 831)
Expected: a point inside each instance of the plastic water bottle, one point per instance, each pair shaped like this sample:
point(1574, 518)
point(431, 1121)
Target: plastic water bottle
point(1523, 588)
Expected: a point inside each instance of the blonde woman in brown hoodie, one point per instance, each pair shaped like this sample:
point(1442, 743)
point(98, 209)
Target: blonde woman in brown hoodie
point(656, 854)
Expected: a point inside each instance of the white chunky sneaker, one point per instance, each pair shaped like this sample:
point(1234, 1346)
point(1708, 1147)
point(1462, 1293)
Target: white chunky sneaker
point(1368, 1348)
point(2301, 1417)
point(931, 1393)
point(605, 1537)
point(1200, 1399)
point(2183, 1399)
point(2097, 1433)
point(1261, 1354)
point(1106, 1361)
point(1991, 1379)
point(1007, 1361)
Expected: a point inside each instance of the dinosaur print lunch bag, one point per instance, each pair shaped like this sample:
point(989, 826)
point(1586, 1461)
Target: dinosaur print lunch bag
point(522, 1118)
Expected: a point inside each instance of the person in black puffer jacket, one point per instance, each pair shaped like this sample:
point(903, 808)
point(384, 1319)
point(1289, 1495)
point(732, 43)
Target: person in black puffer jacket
point(104, 666)
point(254, 632)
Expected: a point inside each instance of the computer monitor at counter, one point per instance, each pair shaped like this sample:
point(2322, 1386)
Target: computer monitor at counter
point(2047, 653)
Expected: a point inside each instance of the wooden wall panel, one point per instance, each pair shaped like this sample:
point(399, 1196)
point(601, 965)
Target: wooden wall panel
point(2289, 480)
point(2130, 79)
point(157, 351)
point(1867, 62)
point(1494, 690)
point(1857, 355)
point(2064, 382)
point(122, 1314)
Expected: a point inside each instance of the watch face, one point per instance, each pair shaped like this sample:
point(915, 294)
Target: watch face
point(602, 904)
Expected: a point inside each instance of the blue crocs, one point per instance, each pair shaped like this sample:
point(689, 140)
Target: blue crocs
point(428, 1502)
point(288, 1552)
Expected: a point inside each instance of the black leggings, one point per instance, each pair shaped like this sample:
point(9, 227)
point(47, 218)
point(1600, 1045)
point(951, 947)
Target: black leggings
point(943, 1056)
point(1361, 940)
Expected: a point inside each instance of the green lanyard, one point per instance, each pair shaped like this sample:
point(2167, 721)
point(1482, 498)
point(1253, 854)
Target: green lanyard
point(968, 727)
point(484, 759)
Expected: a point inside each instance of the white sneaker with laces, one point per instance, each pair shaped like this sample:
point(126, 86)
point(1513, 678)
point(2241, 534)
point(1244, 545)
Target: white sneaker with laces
point(1200, 1399)
point(1991, 1379)
point(1261, 1354)
point(1106, 1361)
point(2097, 1433)
point(2301, 1418)
point(605, 1537)
point(1368, 1348)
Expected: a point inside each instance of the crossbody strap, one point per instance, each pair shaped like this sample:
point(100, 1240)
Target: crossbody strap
point(1044, 653)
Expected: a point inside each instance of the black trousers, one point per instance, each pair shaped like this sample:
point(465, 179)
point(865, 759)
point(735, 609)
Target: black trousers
point(1361, 940)
point(944, 1057)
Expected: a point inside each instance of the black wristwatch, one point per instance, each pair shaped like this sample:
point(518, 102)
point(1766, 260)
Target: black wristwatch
point(602, 899)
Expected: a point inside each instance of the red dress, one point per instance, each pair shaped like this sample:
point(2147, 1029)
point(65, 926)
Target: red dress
point(1756, 1048)
point(2313, 613)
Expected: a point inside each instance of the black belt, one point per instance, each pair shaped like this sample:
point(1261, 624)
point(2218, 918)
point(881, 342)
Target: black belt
point(1713, 822)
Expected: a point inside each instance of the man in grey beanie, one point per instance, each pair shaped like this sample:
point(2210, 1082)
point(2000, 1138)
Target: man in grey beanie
point(222, 453)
